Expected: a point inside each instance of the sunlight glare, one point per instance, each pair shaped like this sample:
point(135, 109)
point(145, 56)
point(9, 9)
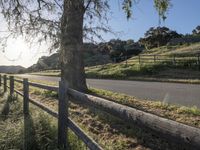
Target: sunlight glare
point(18, 52)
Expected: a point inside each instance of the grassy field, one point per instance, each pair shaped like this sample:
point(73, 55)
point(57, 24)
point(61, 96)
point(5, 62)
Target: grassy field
point(39, 129)
point(148, 70)
point(186, 115)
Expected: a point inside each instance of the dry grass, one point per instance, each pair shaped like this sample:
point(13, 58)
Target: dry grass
point(107, 130)
point(112, 133)
point(41, 128)
point(186, 115)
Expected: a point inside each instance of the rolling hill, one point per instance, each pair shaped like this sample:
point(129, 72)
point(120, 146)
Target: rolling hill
point(11, 69)
point(151, 70)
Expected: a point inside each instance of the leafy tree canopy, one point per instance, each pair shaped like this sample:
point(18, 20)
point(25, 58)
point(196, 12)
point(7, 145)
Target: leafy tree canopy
point(196, 31)
point(40, 20)
point(159, 36)
point(64, 24)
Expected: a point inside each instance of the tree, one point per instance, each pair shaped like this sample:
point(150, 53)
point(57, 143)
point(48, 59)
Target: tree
point(120, 49)
point(156, 37)
point(196, 31)
point(64, 23)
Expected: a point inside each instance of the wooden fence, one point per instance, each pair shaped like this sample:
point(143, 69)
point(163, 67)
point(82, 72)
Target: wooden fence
point(64, 121)
point(171, 59)
point(175, 60)
point(166, 128)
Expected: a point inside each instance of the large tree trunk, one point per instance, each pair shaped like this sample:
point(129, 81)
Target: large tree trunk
point(71, 58)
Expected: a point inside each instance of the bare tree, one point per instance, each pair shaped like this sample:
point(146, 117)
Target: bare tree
point(64, 24)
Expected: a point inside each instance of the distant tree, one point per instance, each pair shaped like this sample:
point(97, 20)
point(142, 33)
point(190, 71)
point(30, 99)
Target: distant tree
point(64, 24)
point(132, 48)
point(156, 37)
point(196, 31)
point(119, 48)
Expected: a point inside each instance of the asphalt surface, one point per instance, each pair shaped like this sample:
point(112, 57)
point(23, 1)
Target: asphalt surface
point(175, 93)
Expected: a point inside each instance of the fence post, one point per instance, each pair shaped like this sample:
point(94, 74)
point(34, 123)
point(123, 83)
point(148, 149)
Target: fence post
point(198, 61)
point(154, 59)
point(0, 80)
point(62, 115)
point(139, 59)
point(5, 83)
point(174, 60)
point(26, 97)
point(115, 60)
point(11, 85)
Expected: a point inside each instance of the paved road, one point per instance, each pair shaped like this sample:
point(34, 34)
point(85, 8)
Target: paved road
point(177, 93)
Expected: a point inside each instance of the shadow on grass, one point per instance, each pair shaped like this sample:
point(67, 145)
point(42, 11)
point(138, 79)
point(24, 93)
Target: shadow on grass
point(126, 135)
point(29, 134)
point(5, 110)
point(6, 106)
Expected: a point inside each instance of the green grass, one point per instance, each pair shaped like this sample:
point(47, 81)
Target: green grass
point(181, 50)
point(150, 70)
point(40, 128)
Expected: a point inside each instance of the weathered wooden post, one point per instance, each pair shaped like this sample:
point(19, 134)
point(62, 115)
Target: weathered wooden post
point(198, 60)
point(115, 60)
point(154, 59)
point(174, 60)
point(126, 60)
point(26, 97)
point(11, 85)
point(26, 114)
point(62, 114)
point(0, 80)
point(139, 59)
point(5, 83)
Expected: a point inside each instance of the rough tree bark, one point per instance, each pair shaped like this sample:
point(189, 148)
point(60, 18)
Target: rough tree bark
point(71, 56)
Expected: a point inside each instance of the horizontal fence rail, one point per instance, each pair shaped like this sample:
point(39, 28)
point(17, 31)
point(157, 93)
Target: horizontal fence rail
point(165, 127)
point(68, 123)
point(176, 60)
point(188, 134)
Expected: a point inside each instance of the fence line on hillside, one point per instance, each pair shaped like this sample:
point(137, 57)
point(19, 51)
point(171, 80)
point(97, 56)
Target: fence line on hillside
point(169, 129)
point(173, 59)
point(187, 60)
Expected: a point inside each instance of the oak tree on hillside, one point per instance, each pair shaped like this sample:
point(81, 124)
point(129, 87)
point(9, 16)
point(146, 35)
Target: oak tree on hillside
point(64, 24)
point(196, 31)
point(156, 37)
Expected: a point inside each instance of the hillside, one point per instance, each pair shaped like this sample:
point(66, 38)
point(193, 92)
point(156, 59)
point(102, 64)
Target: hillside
point(52, 62)
point(181, 50)
point(11, 69)
point(150, 69)
point(94, 54)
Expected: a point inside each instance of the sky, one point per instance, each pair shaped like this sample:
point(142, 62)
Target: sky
point(183, 17)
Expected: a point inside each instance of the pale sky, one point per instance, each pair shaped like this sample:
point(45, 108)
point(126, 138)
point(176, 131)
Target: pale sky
point(19, 53)
point(182, 17)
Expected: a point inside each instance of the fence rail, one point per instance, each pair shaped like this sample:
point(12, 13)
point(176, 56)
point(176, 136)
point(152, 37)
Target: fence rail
point(190, 60)
point(63, 122)
point(166, 128)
